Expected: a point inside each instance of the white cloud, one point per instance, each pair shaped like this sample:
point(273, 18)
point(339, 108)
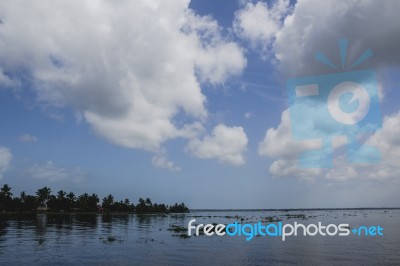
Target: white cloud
point(259, 22)
point(5, 160)
point(6, 81)
point(28, 138)
point(50, 172)
point(227, 144)
point(161, 160)
point(279, 146)
point(313, 26)
point(132, 69)
point(387, 140)
point(248, 115)
point(293, 34)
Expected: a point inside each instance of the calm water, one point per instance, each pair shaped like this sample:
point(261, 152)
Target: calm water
point(146, 240)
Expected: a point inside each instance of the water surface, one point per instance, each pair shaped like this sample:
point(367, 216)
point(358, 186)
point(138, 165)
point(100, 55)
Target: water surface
point(145, 240)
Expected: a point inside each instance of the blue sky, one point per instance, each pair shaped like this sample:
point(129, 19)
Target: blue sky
point(186, 101)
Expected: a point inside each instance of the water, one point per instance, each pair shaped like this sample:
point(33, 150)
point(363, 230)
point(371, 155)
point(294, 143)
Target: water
point(145, 240)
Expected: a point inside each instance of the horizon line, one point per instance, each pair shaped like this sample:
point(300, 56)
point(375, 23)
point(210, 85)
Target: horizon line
point(295, 209)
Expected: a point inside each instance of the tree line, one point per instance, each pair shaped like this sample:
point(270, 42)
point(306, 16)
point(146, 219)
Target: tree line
point(44, 200)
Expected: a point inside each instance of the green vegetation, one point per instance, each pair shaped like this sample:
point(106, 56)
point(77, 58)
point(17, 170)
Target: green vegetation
point(45, 201)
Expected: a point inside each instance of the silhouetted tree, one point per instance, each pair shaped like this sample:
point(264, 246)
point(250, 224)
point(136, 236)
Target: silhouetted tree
point(67, 202)
point(83, 202)
point(52, 203)
point(181, 208)
point(148, 202)
point(107, 203)
point(43, 195)
point(92, 202)
point(29, 202)
point(5, 198)
point(141, 206)
point(6, 191)
point(71, 201)
point(62, 201)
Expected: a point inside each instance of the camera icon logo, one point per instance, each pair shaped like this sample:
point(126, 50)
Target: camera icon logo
point(340, 104)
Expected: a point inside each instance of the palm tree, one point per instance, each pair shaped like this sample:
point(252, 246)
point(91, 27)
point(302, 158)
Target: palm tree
point(61, 201)
point(43, 195)
point(5, 192)
point(23, 196)
point(93, 201)
point(142, 202)
point(71, 200)
point(5, 197)
point(148, 202)
point(83, 201)
point(108, 202)
point(61, 194)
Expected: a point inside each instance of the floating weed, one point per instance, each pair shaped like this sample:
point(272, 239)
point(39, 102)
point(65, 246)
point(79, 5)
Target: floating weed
point(272, 219)
point(111, 238)
point(177, 228)
point(300, 216)
point(184, 236)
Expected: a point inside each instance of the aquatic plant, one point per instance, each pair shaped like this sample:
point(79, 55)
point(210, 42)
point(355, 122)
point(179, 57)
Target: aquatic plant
point(111, 238)
point(177, 228)
point(301, 216)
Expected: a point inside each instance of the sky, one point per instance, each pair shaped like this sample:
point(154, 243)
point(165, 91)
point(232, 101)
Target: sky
point(185, 101)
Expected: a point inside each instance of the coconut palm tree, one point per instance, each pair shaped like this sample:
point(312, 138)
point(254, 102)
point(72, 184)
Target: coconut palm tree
point(83, 201)
point(71, 200)
point(92, 202)
point(108, 202)
point(5, 192)
point(5, 197)
point(23, 196)
point(61, 201)
point(43, 195)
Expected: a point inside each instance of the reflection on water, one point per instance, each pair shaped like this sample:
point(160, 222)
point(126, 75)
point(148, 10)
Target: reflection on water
point(145, 239)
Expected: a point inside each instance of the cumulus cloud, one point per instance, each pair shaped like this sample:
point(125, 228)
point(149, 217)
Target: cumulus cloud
point(387, 140)
point(259, 22)
point(28, 138)
point(279, 146)
point(50, 172)
point(161, 160)
point(296, 34)
point(357, 21)
point(5, 160)
point(132, 69)
point(227, 144)
point(312, 26)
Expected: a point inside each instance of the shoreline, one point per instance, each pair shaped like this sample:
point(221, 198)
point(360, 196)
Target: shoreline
point(300, 209)
point(83, 213)
point(195, 210)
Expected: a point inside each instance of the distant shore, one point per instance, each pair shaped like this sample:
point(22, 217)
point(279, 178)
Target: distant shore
point(300, 209)
point(45, 202)
point(191, 210)
point(11, 214)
